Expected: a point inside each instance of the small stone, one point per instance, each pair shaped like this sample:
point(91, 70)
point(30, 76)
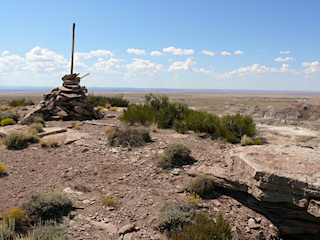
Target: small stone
point(86, 201)
point(175, 171)
point(127, 228)
point(252, 224)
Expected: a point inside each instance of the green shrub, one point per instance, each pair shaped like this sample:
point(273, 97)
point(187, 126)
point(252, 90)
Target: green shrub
point(129, 137)
point(104, 100)
point(204, 228)
point(202, 185)
point(15, 140)
point(37, 126)
point(158, 110)
point(108, 200)
point(7, 121)
point(48, 230)
point(13, 115)
point(32, 137)
point(21, 102)
point(47, 206)
point(173, 215)
point(234, 127)
point(257, 141)
point(174, 155)
point(31, 120)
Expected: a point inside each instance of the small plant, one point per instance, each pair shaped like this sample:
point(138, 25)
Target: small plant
point(32, 136)
point(21, 102)
point(108, 105)
point(3, 170)
point(49, 143)
point(104, 100)
point(16, 214)
point(129, 137)
point(174, 215)
point(174, 155)
point(75, 125)
point(48, 230)
point(245, 140)
point(257, 141)
point(201, 185)
point(7, 121)
point(114, 109)
point(15, 140)
point(102, 110)
point(9, 111)
point(204, 228)
point(30, 120)
point(153, 127)
point(109, 130)
point(108, 200)
point(192, 198)
point(7, 229)
point(47, 206)
point(11, 114)
point(37, 126)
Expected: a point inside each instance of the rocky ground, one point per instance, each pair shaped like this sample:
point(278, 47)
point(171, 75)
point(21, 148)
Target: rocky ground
point(86, 168)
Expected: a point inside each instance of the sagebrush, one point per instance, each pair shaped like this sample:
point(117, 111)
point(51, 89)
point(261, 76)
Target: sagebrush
point(129, 137)
point(174, 155)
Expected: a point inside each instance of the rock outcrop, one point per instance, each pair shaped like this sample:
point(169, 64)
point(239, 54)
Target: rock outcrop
point(280, 181)
point(67, 102)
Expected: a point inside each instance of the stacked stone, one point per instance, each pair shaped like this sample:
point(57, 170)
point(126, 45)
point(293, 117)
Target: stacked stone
point(67, 102)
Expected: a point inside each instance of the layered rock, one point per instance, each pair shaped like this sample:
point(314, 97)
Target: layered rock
point(280, 181)
point(67, 102)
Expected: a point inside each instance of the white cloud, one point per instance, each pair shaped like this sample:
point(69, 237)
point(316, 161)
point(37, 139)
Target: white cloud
point(187, 66)
point(41, 60)
point(178, 51)
point(207, 52)
point(13, 63)
point(81, 56)
point(136, 51)
point(225, 53)
point(312, 67)
point(110, 66)
point(284, 52)
point(255, 70)
point(144, 66)
point(5, 53)
point(156, 53)
point(239, 52)
point(287, 59)
point(99, 53)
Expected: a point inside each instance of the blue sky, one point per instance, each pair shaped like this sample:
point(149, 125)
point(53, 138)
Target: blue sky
point(262, 45)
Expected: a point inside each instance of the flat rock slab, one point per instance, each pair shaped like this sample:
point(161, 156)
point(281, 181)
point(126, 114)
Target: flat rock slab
point(289, 130)
point(9, 128)
point(51, 131)
point(69, 136)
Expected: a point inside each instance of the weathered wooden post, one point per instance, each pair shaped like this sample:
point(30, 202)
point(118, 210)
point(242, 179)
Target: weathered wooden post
point(74, 26)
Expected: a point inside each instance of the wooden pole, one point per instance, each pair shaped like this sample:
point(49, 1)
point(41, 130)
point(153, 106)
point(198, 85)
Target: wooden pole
point(74, 26)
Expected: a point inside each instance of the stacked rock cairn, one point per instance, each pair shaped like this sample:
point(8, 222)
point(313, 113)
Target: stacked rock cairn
point(66, 103)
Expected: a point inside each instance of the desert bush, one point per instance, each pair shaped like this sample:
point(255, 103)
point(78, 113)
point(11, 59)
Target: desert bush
point(15, 140)
point(201, 185)
point(11, 114)
point(108, 200)
point(7, 121)
point(153, 127)
point(3, 169)
point(49, 143)
point(245, 140)
point(31, 120)
point(173, 215)
point(174, 155)
point(16, 214)
point(233, 127)
point(129, 137)
point(104, 100)
point(141, 114)
point(192, 198)
point(47, 206)
point(48, 230)
point(20, 102)
point(114, 109)
point(37, 126)
point(204, 228)
point(32, 136)
point(7, 229)
point(257, 141)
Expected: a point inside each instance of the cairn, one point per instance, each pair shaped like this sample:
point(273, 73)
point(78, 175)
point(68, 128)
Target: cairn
point(66, 103)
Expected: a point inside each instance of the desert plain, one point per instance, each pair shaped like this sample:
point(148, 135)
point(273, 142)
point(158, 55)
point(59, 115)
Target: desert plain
point(270, 191)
